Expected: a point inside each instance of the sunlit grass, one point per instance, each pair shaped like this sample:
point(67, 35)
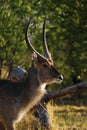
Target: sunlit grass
point(4, 73)
point(68, 117)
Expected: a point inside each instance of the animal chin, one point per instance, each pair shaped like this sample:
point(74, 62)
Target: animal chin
point(56, 80)
point(53, 81)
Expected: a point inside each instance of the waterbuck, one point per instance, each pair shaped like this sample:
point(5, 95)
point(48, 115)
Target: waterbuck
point(17, 98)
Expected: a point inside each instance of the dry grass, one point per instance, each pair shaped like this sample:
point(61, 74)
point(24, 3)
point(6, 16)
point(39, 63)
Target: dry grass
point(4, 74)
point(62, 118)
point(68, 117)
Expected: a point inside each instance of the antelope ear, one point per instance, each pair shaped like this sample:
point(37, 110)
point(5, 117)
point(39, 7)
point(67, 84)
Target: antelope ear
point(34, 59)
point(34, 56)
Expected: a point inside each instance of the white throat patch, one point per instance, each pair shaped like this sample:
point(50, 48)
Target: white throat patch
point(42, 86)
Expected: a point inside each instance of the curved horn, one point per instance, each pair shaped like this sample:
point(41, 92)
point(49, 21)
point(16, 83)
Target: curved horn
point(28, 42)
point(46, 51)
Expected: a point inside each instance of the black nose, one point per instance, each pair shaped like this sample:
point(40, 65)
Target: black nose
point(60, 77)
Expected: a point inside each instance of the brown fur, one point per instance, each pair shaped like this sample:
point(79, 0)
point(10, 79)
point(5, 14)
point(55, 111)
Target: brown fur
point(17, 98)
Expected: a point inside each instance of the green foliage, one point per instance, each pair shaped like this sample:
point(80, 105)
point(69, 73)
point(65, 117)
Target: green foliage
point(66, 34)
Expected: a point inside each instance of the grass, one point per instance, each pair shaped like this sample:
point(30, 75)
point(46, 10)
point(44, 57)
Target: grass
point(68, 117)
point(65, 117)
point(4, 74)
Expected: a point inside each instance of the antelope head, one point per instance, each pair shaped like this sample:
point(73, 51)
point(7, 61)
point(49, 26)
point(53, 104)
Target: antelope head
point(43, 64)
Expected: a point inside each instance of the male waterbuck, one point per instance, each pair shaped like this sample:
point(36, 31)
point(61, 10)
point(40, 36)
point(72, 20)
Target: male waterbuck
point(17, 98)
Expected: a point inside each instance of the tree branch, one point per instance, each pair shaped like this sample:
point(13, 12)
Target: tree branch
point(59, 93)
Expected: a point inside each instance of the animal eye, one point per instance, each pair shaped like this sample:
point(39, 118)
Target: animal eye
point(45, 65)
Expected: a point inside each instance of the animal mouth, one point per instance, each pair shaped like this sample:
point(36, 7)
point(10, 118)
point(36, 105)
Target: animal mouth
point(58, 79)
